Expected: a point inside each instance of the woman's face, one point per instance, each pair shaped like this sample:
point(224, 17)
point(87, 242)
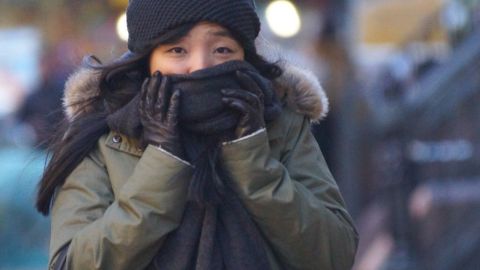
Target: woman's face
point(206, 45)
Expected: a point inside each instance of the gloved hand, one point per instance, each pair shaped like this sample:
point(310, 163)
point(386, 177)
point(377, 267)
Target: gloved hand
point(249, 102)
point(159, 110)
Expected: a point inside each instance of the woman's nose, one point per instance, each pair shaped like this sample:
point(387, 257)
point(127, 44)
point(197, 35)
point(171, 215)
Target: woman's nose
point(199, 62)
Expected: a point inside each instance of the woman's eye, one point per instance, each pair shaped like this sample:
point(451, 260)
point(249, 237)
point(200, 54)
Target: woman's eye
point(177, 50)
point(224, 50)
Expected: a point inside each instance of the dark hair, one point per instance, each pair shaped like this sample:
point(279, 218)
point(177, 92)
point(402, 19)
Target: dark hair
point(120, 81)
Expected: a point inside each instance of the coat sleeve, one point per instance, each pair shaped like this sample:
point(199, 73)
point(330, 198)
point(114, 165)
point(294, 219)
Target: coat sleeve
point(295, 200)
point(121, 231)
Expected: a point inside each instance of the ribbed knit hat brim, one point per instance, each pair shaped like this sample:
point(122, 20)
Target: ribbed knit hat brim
point(149, 19)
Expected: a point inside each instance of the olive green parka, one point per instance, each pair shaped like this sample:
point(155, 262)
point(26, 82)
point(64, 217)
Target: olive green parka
point(117, 206)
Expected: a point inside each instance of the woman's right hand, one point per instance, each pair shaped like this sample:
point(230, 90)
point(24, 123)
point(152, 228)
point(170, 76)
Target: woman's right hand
point(159, 110)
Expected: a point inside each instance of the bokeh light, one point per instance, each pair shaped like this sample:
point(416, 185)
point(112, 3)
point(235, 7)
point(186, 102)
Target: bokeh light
point(122, 30)
point(283, 18)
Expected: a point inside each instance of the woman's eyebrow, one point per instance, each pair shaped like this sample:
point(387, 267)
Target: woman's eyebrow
point(220, 33)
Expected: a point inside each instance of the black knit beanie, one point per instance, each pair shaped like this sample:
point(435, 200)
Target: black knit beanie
point(148, 20)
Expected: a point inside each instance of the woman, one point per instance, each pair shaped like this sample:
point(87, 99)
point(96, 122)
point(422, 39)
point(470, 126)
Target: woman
point(192, 152)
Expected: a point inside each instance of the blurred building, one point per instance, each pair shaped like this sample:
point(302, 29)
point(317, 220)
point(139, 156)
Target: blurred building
point(422, 141)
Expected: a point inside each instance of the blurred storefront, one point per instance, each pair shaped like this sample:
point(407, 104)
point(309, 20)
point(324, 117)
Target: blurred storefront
point(421, 94)
point(41, 42)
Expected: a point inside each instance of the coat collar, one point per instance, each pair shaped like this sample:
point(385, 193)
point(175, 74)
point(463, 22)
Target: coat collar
point(299, 88)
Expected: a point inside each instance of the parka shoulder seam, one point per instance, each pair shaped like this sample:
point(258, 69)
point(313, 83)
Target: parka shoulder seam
point(96, 154)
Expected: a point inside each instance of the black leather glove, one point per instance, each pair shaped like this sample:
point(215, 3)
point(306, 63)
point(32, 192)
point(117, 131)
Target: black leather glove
point(159, 110)
point(249, 102)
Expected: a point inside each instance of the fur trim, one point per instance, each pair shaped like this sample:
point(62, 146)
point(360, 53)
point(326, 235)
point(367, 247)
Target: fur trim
point(299, 87)
point(79, 88)
point(303, 92)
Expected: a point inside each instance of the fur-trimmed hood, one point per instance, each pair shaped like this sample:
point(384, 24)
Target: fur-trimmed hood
point(300, 88)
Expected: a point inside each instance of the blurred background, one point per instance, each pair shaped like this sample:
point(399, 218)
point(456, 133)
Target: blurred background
point(402, 137)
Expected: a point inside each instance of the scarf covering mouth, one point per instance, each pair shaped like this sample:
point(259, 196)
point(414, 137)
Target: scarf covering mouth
point(216, 232)
point(201, 108)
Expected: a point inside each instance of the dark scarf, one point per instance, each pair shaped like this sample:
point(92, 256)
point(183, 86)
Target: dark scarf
point(216, 231)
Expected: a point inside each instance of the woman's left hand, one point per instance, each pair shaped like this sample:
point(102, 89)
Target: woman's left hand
point(248, 102)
